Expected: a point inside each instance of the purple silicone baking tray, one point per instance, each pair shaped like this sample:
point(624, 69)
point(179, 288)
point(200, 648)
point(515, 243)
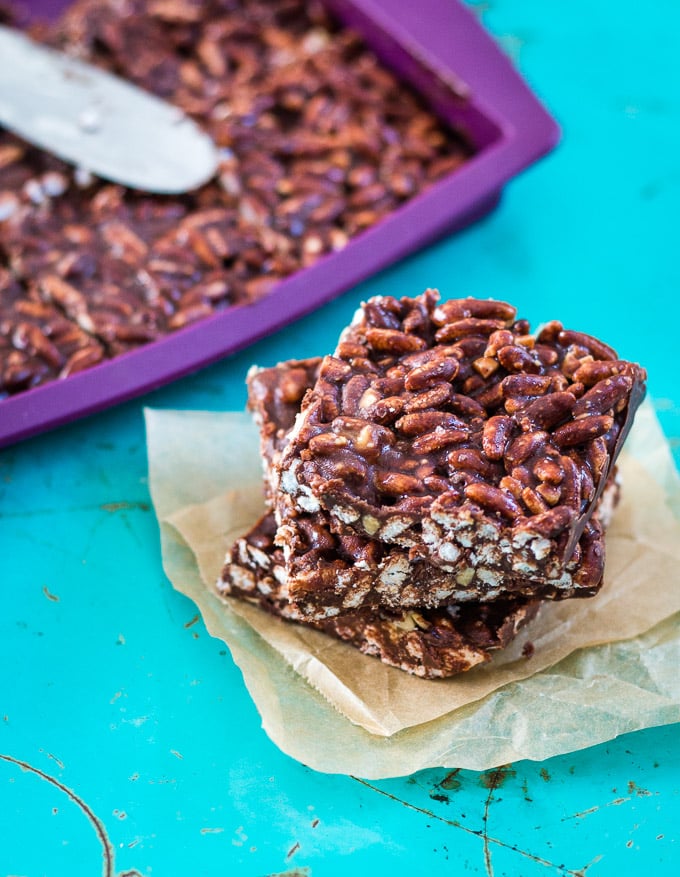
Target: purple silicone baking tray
point(438, 47)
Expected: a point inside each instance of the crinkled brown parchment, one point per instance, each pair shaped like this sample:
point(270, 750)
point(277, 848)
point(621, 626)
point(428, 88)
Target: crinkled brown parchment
point(600, 667)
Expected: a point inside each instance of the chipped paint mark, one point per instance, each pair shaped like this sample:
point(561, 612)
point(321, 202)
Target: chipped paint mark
point(315, 822)
point(115, 697)
point(137, 722)
point(212, 830)
point(57, 761)
point(629, 844)
point(545, 776)
point(177, 754)
point(581, 813)
point(124, 506)
point(561, 869)
point(494, 779)
point(659, 837)
point(241, 837)
point(52, 597)
point(451, 782)
point(525, 790)
point(582, 871)
point(291, 852)
point(95, 822)
point(192, 621)
point(121, 640)
point(438, 796)
point(634, 790)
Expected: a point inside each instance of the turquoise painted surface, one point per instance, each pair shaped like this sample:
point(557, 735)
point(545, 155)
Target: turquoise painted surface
point(127, 740)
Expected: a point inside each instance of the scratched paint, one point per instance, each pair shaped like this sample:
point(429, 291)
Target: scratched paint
point(192, 621)
point(124, 505)
point(107, 852)
point(492, 780)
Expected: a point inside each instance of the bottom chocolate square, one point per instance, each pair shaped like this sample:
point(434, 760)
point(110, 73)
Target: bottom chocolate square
point(431, 643)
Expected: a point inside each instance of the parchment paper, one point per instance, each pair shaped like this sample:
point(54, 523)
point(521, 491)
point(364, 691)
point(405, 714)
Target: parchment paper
point(601, 666)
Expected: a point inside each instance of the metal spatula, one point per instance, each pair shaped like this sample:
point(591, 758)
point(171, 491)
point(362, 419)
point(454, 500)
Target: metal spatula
point(99, 122)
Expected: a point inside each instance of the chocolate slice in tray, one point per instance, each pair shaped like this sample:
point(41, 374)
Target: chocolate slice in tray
point(430, 643)
point(313, 152)
point(330, 572)
point(37, 344)
point(451, 431)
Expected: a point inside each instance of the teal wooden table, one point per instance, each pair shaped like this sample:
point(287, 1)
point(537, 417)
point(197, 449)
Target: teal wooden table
point(128, 743)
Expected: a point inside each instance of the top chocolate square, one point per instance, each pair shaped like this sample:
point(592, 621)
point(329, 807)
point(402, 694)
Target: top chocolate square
point(451, 430)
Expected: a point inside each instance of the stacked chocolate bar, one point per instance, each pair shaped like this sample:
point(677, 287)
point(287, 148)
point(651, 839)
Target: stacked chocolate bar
point(435, 479)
